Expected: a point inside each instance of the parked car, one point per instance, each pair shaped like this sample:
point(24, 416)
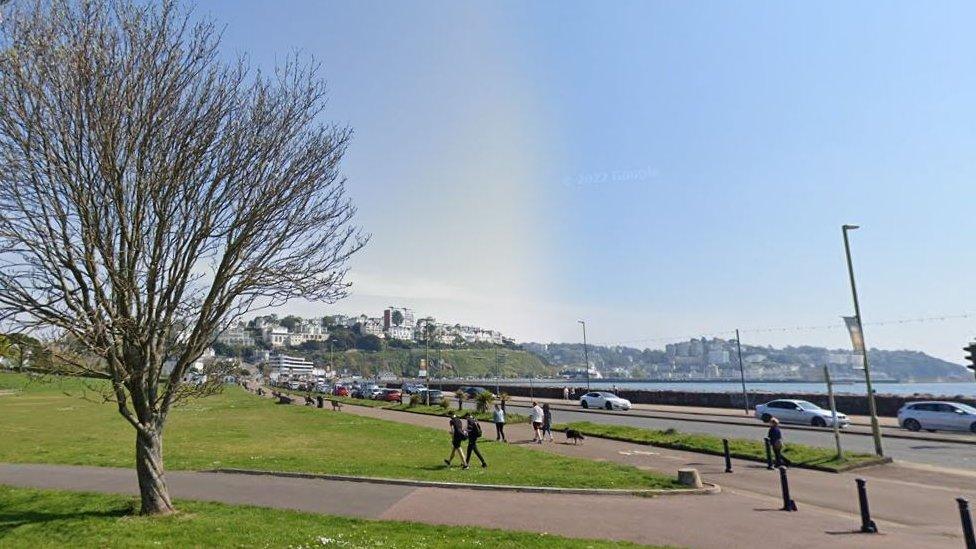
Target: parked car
point(389, 395)
point(800, 412)
point(937, 415)
point(340, 391)
point(413, 388)
point(365, 391)
point(602, 399)
point(436, 397)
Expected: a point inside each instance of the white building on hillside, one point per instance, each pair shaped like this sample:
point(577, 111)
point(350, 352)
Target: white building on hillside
point(290, 365)
point(237, 336)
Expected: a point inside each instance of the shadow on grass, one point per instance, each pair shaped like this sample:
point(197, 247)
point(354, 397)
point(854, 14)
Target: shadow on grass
point(12, 520)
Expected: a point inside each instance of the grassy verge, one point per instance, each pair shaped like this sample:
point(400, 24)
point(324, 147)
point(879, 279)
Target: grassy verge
point(810, 457)
point(48, 518)
point(42, 424)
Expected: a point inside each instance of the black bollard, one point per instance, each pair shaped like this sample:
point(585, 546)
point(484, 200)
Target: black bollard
point(867, 525)
point(728, 456)
point(967, 523)
point(788, 503)
point(769, 454)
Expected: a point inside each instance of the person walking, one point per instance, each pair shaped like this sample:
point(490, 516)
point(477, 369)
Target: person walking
point(457, 437)
point(474, 433)
point(499, 418)
point(536, 416)
point(546, 422)
point(775, 437)
point(565, 393)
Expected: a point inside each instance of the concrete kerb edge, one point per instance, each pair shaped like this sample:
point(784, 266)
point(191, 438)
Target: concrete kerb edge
point(708, 489)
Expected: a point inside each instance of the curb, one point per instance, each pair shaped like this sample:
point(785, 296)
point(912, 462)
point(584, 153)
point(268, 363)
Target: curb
point(744, 424)
point(708, 489)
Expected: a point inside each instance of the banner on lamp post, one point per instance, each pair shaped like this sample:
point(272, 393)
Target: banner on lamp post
point(857, 338)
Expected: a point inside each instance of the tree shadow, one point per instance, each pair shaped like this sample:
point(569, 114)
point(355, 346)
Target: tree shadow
point(11, 520)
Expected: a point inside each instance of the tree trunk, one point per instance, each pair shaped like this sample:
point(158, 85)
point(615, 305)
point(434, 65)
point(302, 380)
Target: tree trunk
point(149, 467)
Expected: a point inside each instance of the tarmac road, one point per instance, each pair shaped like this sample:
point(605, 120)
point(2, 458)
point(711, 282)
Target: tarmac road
point(926, 452)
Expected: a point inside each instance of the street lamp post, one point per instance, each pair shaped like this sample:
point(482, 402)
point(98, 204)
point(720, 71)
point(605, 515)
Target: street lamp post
point(498, 372)
point(586, 356)
point(742, 373)
point(872, 409)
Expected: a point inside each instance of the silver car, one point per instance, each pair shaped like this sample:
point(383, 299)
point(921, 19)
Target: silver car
point(799, 411)
point(937, 416)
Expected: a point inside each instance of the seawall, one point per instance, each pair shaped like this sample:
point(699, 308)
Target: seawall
point(887, 405)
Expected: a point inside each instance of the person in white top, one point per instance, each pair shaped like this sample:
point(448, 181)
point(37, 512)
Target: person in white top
point(536, 416)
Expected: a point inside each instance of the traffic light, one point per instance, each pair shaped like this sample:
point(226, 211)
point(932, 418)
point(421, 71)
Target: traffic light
point(971, 357)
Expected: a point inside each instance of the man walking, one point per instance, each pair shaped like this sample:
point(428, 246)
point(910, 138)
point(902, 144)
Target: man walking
point(499, 419)
point(565, 393)
point(776, 441)
point(457, 436)
point(536, 415)
point(474, 433)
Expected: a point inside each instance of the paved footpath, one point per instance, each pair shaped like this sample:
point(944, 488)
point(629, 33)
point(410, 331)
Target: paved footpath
point(909, 513)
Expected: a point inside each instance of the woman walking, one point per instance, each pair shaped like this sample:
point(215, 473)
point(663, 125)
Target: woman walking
point(546, 422)
point(499, 419)
point(536, 416)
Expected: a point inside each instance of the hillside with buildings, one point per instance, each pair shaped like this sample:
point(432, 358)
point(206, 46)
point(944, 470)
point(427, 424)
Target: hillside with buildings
point(396, 343)
point(718, 359)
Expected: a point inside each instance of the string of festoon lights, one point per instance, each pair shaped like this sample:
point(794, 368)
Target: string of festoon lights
point(794, 329)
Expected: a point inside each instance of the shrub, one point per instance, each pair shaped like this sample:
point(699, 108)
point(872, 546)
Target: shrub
point(483, 402)
point(445, 403)
point(414, 400)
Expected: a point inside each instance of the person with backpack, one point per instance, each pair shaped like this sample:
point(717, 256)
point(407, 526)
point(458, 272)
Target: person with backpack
point(457, 436)
point(499, 418)
point(474, 433)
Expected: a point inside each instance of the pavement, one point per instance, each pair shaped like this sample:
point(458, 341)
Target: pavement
point(913, 507)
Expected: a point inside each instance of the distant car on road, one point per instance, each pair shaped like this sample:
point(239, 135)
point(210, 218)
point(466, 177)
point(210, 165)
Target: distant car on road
point(411, 388)
point(800, 412)
point(937, 416)
point(601, 399)
point(473, 392)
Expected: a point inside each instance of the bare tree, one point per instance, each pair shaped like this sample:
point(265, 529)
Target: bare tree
point(151, 194)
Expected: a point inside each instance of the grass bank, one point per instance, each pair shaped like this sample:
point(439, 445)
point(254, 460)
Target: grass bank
point(43, 424)
point(810, 457)
point(47, 518)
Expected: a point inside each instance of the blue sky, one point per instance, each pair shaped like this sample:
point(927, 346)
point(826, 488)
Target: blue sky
point(661, 169)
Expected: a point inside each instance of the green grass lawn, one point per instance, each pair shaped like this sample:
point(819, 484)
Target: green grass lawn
point(41, 424)
point(47, 518)
point(802, 456)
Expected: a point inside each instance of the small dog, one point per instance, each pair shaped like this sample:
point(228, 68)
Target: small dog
point(575, 436)
point(336, 406)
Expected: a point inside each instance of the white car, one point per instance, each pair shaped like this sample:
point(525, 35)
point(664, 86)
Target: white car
point(799, 411)
point(600, 399)
point(937, 415)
